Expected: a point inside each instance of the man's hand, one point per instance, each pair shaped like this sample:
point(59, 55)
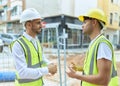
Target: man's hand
point(52, 68)
point(71, 73)
point(76, 67)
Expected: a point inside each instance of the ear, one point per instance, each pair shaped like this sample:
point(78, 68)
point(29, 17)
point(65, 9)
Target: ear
point(94, 22)
point(28, 24)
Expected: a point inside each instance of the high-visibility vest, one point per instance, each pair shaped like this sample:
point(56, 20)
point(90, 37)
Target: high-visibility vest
point(90, 63)
point(33, 60)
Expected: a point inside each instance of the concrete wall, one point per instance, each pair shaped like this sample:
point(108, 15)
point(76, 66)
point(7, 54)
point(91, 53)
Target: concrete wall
point(53, 7)
point(82, 6)
point(45, 7)
point(67, 7)
point(14, 3)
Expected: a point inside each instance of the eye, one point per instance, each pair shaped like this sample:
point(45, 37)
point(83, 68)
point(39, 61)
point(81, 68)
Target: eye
point(38, 22)
point(84, 22)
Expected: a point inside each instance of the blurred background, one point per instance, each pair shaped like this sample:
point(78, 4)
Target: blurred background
point(61, 37)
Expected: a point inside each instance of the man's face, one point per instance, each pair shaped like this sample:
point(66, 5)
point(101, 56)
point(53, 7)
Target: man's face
point(36, 26)
point(87, 27)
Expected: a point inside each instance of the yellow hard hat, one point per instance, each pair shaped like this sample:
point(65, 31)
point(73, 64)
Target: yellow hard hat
point(95, 13)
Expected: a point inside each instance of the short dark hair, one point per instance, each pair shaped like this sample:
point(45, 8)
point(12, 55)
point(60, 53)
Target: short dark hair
point(88, 18)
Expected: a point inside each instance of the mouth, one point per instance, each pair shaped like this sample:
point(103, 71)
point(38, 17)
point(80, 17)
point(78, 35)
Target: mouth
point(40, 30)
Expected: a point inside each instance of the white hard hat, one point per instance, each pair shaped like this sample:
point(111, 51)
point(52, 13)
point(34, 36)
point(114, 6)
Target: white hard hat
point(29, 14)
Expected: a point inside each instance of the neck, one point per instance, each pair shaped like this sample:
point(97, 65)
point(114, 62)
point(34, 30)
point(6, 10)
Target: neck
point(94, 35)
point(31, 34)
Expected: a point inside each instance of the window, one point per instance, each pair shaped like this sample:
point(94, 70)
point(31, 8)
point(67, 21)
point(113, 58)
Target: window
point(114, 39)
point(1, 15)
point(111, 1)
point(107, 36)
point(115, 2)
point(119, 37)
point(14, 11)
point(69, 33)
point(0, 2)
point(118, 2)
point(116, 17)
point(119, 20)
point(111, 18)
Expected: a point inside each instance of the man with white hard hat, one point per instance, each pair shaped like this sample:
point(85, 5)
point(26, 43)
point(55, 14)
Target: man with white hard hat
point(29, 62)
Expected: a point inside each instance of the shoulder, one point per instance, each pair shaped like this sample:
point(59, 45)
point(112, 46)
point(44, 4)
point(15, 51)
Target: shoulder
point(16, 44)
point(104, 51)
point(104, 46)
point(103, 41)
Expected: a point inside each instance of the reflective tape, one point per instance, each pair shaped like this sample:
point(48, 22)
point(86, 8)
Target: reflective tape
point(27, 80)
point(28, 52)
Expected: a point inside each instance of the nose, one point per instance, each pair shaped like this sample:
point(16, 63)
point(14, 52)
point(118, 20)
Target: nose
point(40, 24)
point(43, 24)
point(82, 26)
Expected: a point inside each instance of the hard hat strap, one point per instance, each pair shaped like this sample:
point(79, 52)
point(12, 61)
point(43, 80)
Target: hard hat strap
point(101, 24)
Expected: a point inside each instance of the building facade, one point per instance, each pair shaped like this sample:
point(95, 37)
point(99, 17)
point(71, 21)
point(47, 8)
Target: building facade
point(10, 11)
point(111, 9)
point(52, 11)
point(9, 15)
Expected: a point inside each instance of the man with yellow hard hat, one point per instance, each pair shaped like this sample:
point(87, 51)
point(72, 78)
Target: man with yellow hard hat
point(99, 65)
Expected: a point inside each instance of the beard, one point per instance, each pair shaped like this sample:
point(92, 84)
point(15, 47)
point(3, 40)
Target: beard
point(36, 31)
point(88, 30)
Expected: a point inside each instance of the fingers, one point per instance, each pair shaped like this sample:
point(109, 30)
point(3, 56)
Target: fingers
point(70, 69)
point(52, 68)
point(73, 66)
point(76, 67)
point(71, 73)
point(73, 63)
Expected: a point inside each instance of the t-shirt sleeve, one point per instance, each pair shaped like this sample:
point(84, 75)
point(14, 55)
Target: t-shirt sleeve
point(104, 51)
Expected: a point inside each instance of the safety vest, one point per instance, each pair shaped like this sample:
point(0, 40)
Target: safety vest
point(90, 63)
point(33, 60)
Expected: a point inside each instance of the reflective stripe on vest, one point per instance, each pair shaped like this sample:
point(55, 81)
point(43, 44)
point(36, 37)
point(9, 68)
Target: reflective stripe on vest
point(92, 62)
point(27, 80)
point(29, 63)
point(114, 72)
point(28, 52)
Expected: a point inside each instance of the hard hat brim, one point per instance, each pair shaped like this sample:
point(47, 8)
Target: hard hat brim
point(81, 18)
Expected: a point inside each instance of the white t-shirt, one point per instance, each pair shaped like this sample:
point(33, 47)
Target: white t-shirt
point(104, 50)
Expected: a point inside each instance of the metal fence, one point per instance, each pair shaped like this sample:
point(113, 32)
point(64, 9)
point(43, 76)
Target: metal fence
point(61, 44)
point(7, 70)
point(58, 44)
